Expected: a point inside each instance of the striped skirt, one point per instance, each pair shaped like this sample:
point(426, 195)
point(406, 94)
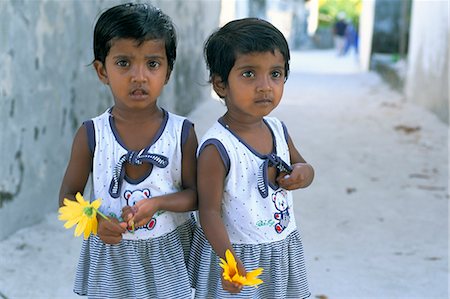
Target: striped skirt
point(284, 272)
point(153, 268)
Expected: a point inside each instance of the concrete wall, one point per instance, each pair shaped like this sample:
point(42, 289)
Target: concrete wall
point(47, 88)
point(428, 58)
point(366, 22)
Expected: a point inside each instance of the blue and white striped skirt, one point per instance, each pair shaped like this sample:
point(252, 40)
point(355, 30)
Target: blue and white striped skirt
point(284, 272)
point(153, 268)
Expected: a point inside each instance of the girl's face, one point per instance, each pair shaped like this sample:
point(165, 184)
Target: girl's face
point(255, 85)
point(135, 74)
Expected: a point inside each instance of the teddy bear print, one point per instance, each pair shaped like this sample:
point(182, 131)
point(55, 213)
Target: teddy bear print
point(280, 201)
point(132, 197)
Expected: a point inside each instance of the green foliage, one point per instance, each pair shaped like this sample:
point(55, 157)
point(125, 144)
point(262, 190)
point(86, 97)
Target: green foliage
point(329, 9)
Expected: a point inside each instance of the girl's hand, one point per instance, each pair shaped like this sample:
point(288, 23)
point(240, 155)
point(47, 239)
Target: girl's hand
point(110, 230)
point(128, 213)
point(141, 213)
point(300, 177)
point(234, 287)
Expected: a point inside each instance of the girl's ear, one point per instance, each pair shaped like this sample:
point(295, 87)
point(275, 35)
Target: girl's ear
point(219, 86)
point(101, 72)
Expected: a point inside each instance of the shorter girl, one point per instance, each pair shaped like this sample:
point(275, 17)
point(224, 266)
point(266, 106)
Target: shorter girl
point(247, 165)
point(142, 162)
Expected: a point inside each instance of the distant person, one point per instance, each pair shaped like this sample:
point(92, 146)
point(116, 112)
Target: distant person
point(351, 38)
point(339, 30)
point(142, 162)
point(247, 167)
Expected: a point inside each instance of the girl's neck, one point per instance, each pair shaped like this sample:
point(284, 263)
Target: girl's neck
point(238, 124)
point(136, 116)
point(254, 132)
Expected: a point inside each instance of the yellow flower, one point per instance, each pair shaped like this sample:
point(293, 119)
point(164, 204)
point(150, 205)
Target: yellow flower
point(251, 277)
point(82, 213)
point(230, 272)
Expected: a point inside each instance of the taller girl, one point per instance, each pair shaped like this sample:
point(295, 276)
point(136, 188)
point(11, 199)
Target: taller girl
point(142, 162)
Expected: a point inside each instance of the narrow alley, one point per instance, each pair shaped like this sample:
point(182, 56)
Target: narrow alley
point(375, 220)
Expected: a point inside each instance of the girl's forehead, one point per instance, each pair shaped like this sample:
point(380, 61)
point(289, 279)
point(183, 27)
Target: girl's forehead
point(136, 43)
point(274, 55)
point(128, 46)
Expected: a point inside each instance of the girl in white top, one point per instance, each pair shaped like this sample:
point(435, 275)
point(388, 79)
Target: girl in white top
point(141, 160)
point(247, 165)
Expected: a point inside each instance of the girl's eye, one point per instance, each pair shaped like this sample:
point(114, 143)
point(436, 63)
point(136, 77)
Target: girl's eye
point(248, 74)
point(122, 63)
point(277, 74)
point(153, 64)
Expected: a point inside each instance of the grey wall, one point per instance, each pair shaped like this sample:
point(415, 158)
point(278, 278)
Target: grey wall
point(428, 58)
point(47, 88)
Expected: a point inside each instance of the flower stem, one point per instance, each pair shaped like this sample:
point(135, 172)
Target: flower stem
point(103, 215)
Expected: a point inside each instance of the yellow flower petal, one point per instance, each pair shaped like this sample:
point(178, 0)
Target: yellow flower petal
point(251, 278)
point(231, 262)
point(88, 228)
point(224, 264)
point(71, 203)
point(94, 226)
point(67, 213)
point(230, 259)
point(72, 222)
point(239, 279)
point(81, 200)
point(254, 273)
point(96, 203)
point(253, 282)
point(81, 226)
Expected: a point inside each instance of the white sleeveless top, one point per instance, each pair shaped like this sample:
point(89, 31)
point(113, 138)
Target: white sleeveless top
point(249, 217)
point(109, 149)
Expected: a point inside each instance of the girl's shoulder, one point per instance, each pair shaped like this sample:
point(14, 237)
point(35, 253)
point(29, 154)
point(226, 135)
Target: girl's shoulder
point(273, 122)
point(175, 117)
point(216, 131)
point(105, 115)
point(277, 126)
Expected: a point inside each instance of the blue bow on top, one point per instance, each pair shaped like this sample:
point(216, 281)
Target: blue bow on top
point(263, 179)
point(133, 158)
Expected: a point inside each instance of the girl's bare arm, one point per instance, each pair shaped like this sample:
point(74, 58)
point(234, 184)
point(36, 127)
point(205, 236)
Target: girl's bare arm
point(78, 168)
point(75, 178)
point(211, 176)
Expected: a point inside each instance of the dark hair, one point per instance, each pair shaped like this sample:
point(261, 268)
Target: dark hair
point(141, 22)
point(242, 37)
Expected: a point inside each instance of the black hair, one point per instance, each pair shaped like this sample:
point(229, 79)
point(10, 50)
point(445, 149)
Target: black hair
point(137, 21)
point(242, 36)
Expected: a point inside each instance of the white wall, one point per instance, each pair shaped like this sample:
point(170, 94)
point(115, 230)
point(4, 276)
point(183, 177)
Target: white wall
point(428, 56)
point(366, 20)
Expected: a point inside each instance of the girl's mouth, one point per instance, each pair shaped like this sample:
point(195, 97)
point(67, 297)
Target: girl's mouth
point(263, 101)
point(139, 94)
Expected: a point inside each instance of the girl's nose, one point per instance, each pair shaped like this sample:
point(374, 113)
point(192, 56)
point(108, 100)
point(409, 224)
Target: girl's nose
point(139, 74)
point(264, 85)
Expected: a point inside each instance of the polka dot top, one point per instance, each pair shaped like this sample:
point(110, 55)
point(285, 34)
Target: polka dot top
point(249, 217)
point(108, 149)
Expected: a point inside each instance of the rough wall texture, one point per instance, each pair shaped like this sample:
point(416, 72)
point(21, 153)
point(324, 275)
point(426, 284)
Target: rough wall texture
point(428, 57)
point(47, 88)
